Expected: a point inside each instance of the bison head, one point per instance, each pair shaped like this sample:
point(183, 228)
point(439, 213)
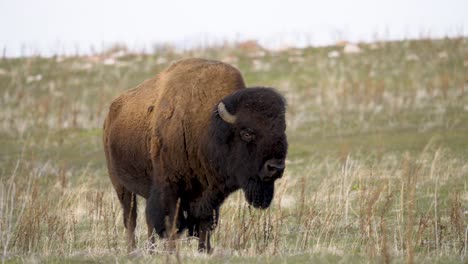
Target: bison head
point(248, 143)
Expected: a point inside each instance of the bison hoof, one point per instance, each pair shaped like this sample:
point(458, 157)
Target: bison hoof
point(204, 250)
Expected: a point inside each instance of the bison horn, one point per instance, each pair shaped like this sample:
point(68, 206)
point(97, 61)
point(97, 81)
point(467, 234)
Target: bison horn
point(225, 115)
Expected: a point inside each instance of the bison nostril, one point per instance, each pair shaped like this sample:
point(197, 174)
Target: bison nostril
point(273, 169)
point(270, 168)
point(275, 164)
point(276, 167)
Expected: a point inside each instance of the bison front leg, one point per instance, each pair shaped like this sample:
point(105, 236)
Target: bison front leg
point(151, 234)
point(202, 229)
point(162, 213)
point(204, 244)
point(206, 211)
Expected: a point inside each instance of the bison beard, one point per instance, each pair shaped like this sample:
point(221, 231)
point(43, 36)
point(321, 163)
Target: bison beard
point(259, 194)
point(186, 139)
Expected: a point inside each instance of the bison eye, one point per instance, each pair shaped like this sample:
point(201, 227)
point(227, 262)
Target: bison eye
point(247, 135)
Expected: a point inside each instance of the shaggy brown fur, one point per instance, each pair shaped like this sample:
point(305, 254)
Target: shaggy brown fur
point(157, 145)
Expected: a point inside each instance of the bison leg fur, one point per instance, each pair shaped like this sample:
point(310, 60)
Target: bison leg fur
point(204, 235)
point(162, 207)
point(129, 204)
point(202, 230)
point(151, 235)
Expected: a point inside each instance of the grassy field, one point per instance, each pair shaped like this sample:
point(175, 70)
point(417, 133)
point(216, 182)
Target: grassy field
point(377, 169)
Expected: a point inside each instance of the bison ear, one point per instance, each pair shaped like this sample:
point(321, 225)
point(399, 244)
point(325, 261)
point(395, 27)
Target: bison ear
point(225, 115)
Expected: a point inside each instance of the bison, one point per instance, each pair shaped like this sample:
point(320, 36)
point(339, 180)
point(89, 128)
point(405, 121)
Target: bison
point(186, 139)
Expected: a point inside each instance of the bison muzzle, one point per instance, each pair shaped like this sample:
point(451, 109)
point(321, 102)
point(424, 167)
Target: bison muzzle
point(186, 139)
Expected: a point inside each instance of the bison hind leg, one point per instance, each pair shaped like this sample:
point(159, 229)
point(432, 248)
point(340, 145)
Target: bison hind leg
point(128, 201)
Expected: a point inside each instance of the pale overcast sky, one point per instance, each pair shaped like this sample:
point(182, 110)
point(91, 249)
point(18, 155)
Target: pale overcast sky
point(64, 26)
